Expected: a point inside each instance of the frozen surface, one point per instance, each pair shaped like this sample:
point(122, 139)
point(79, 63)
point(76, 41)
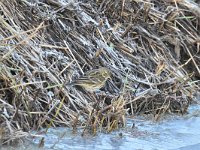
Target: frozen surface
point(173, 133)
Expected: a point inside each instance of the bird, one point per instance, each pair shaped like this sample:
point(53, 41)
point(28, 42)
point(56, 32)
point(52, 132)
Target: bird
point(93, 80)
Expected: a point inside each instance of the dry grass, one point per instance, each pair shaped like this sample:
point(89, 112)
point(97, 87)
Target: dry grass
point(151, 48)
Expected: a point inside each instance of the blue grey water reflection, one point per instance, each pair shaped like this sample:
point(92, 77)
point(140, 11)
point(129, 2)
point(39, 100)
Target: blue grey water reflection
point(172, 132)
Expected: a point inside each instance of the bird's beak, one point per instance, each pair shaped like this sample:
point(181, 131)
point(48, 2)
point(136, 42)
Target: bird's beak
point(109, 78)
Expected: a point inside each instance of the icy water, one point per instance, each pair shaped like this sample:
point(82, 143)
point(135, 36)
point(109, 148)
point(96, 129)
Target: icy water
point(172, 133)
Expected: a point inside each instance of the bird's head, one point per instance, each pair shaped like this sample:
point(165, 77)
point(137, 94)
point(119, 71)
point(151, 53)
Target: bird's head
point(105, 72)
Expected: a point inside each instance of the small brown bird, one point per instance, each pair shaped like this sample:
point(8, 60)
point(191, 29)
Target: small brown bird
point(93, 80)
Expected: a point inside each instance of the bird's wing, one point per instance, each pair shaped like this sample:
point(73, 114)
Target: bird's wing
point(84, 80)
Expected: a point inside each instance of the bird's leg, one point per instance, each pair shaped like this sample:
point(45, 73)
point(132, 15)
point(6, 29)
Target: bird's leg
point(92, 96)
point(99, 94)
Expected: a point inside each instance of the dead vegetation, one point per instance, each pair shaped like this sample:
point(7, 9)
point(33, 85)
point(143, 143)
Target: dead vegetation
point(151, 48)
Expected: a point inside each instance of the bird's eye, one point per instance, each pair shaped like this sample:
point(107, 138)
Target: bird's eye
point(104, 74)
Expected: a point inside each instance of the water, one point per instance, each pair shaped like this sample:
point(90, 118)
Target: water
point(172, 133)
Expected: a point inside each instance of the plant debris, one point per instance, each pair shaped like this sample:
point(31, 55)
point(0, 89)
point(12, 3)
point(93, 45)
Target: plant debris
point(150, 47)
